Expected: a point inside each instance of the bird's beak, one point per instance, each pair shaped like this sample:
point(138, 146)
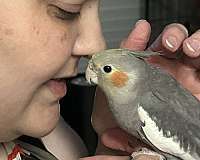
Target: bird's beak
point(91, 75)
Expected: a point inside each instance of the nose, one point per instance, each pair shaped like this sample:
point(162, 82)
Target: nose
point(90, 38)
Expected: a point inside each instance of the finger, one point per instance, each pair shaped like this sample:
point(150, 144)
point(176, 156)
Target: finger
point(191, 61)
point(116, 138)
point(139, 37)
point(101, 113)
point(170, 39)
point(191, 46)
point(103, 157)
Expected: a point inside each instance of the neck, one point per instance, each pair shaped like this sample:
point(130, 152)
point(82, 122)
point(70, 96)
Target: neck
point(126, 114)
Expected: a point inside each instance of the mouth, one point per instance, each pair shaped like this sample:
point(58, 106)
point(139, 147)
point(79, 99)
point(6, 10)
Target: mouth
point(58, 87)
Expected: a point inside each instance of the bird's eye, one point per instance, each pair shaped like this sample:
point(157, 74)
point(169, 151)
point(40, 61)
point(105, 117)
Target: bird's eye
point(107, 69)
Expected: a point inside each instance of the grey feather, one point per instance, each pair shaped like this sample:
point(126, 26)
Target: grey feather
point(173, 108)
point(141, 54)
point(138, 54)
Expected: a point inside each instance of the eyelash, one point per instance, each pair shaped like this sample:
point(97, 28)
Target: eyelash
point(65, 15)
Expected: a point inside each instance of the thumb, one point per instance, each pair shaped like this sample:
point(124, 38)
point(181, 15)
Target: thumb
point(117, 139)
point(139, 36)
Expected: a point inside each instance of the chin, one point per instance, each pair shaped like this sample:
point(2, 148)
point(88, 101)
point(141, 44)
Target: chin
point(41, 123)
point(49, 125)
point(42, 130)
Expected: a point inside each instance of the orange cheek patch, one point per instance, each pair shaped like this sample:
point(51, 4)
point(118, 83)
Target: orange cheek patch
point(119, 79)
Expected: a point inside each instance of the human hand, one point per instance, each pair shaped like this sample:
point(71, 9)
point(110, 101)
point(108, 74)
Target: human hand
point(186, 68)
point(172, 42)
point(101, 157)
point(140, 157)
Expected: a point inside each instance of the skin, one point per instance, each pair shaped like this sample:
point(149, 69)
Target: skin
point(36, 46)
point(185, 70)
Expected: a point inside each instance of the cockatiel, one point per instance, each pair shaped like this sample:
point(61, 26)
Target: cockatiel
point(148, 103)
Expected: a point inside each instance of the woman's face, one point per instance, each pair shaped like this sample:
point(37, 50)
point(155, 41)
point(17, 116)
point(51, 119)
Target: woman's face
point(41, 42)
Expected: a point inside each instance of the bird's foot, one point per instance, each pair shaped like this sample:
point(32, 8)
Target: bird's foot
point(145, 153)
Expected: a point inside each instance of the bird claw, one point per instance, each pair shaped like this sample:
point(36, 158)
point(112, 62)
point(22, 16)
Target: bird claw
point(149, 154)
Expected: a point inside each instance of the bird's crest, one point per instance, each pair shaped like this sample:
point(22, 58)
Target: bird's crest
point(143, 54)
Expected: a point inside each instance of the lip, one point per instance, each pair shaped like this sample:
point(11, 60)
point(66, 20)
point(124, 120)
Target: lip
point(57, 87)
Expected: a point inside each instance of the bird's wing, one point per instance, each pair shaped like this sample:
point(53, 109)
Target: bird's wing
point(171, 116)
point(166, 89)
point(168, 130)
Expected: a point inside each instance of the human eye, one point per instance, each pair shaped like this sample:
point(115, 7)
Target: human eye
point(63, 14)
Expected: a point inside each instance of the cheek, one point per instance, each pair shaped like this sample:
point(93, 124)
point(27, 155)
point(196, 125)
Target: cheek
point(26, 63)
point(52, 48)
point(119, 79)
point(41, 55)
point(37, 47)
point(14, 101)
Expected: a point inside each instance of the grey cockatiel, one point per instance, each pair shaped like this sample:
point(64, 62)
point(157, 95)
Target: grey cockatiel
point(147, 102)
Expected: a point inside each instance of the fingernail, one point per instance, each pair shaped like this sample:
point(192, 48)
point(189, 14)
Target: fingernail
point(184, 29)
point(139, 21)
point(171, 42)
point(193, 45)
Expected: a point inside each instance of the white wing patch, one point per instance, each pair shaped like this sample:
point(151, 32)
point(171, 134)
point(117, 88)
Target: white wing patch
point(157, 138)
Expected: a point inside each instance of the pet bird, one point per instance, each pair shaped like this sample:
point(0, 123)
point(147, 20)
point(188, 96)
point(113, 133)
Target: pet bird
point(148, 102)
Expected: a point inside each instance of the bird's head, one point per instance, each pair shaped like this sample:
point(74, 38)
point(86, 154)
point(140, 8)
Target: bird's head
point(116, 71)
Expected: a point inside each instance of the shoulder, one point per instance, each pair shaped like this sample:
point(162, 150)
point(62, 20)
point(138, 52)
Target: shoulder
point(72, 145)
point(21, 150)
